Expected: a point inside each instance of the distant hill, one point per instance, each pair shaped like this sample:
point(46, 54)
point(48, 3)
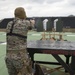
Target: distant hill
point(4, 22)
point(67, 21)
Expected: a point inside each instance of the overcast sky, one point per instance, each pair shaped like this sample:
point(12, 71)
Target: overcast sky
point(35, 8)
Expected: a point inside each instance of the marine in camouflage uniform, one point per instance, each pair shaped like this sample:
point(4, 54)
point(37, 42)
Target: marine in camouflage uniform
point(17, 58)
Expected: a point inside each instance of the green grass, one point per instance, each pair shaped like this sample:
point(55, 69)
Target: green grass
point(3, 69)
point(2, 36)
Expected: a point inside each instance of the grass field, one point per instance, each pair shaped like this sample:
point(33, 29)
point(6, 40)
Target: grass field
point(32, 35)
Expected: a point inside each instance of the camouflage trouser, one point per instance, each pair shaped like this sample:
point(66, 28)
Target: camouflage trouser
point(18, 64)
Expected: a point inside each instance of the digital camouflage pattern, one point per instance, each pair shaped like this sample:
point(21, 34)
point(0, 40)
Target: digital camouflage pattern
point(17, 58)
point(20, 27)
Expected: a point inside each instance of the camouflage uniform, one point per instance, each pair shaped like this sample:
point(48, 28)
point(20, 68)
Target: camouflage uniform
point(17, 58)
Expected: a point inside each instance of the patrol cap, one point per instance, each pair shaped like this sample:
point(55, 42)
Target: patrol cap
point(20, 13)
